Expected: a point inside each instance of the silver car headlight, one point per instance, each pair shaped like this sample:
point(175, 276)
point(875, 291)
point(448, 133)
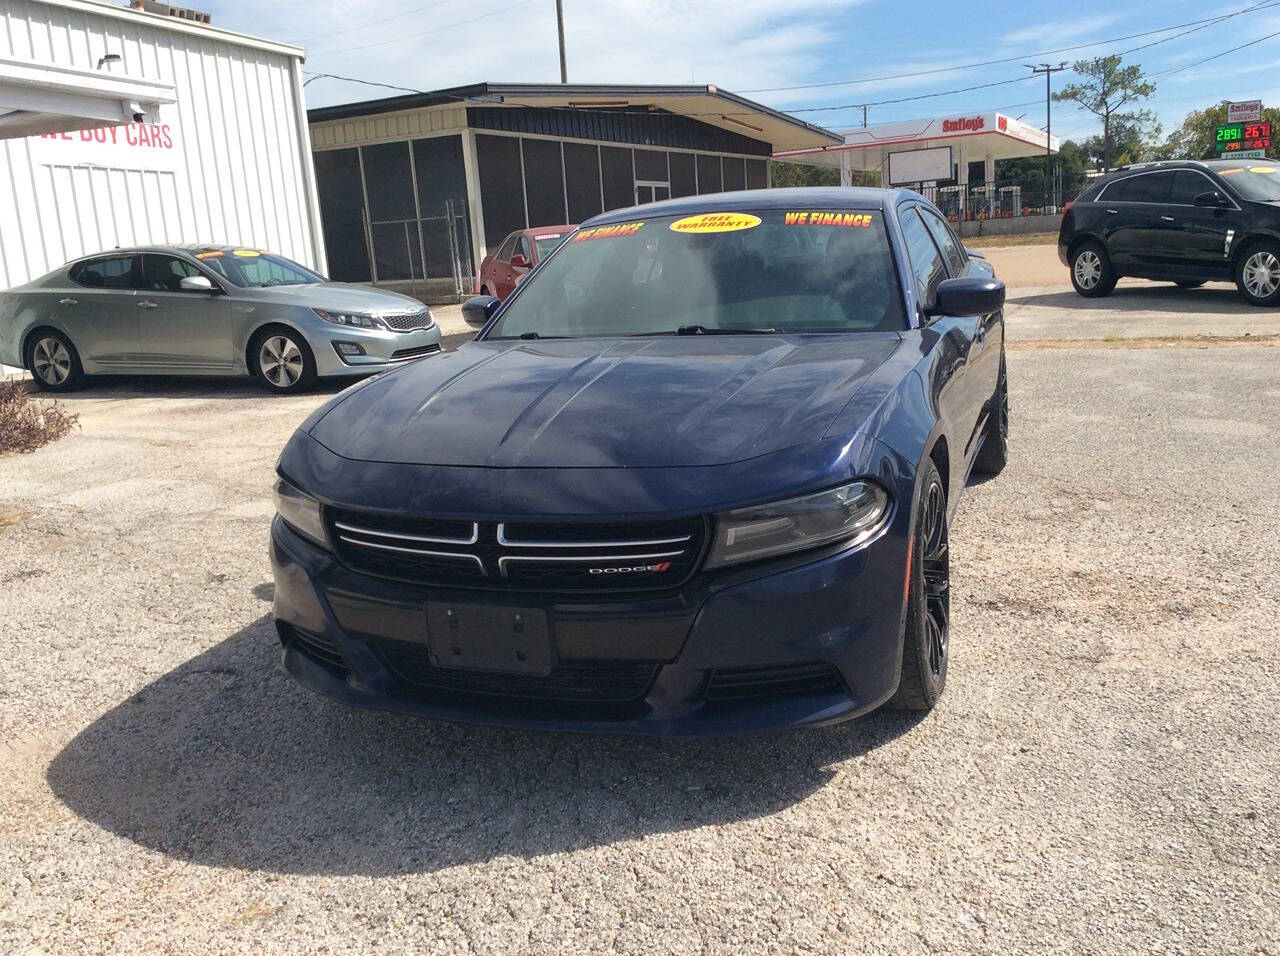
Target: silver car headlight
point(351, 319)
point(299, 511)
point(849, 514)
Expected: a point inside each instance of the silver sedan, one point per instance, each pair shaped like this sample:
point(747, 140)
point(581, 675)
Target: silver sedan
point(205, 310)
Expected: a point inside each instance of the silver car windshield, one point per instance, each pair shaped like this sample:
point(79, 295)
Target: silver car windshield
point(248, 267)
point(768, 271)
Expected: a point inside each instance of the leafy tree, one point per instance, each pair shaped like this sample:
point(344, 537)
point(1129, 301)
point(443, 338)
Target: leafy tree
point(1194, 138)
point(783, 174)
point(1029, 171)
point(1110, 87)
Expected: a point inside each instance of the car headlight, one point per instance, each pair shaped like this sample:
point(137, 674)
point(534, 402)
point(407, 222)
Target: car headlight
point(357, 319)
point(299, 511)
point(848, 514)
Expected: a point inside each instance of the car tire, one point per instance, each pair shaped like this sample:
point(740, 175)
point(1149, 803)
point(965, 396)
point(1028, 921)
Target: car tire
point(281, 359)
point(994, 453)
point(1189, 283)
point(1091, 271)
point(1258, 274)
point(925, 644)
point(54, 362)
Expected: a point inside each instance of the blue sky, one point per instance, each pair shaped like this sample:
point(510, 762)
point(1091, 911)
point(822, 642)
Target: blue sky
point(762, 45)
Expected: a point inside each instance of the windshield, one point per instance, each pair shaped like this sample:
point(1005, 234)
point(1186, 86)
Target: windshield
point(1256, 183)
point(777, 271)
point(544, 244)
point(248, 267)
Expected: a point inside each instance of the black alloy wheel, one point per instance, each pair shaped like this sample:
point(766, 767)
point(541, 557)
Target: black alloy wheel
point(926, 638)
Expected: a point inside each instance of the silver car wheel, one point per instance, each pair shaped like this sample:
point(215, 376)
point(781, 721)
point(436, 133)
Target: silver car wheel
point(280, 360)
point(1261, 274)
point(51, 361)
point(1088, 269)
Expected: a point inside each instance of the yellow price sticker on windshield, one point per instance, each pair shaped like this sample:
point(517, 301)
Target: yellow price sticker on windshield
point(247, 253)
point(716, 222)
point(1262, 169)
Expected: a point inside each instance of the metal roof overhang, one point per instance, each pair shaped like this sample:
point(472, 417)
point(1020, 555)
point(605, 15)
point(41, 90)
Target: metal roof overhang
point(707, 104)
point(987, 135)
point(37, 98)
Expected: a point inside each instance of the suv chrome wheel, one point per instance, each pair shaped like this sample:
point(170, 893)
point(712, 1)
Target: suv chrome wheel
point(1261, 274)
point(281, 361)
point(50, 361)
point(1088, 269)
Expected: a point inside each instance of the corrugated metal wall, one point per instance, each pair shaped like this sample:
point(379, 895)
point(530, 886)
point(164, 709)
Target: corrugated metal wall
point(235, 171)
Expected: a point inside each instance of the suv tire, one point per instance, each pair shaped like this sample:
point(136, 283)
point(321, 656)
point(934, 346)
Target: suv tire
point(1258, 273)
point(1091, 271)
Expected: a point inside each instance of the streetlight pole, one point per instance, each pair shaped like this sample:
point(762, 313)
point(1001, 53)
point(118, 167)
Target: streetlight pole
point(1048, 70)
point(564, 69)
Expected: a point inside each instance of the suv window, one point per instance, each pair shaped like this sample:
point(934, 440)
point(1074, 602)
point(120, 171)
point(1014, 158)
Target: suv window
point(1145, 187)
point(1187, 185)
point(926, 260)
point(164, 273)
point(114, 272)
point(945, 238)
point(508, 247)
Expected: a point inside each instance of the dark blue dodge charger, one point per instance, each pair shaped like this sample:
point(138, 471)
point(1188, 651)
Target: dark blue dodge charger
point(694, 477)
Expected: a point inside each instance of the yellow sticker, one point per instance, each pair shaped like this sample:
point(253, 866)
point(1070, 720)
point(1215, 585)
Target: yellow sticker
point(608, 232)
point(215, 254)
point(848, 220)
point(716, 222)
point(1262, 169)
point(246, 253)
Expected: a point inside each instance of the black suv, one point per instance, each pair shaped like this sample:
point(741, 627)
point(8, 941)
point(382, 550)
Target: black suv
point(1189, 222)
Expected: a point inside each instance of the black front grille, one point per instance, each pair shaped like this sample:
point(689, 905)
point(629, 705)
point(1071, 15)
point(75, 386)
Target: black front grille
point(597, 682)
point(403, 355)
point(319, 649)
point(523, 555)
point(743, 683)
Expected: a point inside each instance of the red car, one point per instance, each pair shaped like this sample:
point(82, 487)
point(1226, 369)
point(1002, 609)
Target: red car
point(519, 252)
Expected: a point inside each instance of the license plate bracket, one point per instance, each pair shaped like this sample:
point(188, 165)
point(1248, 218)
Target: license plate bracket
point(482, 637)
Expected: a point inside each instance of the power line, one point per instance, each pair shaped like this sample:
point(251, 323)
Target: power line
point(414, 36)
point(352, 79)
point(1198, 24)
point(1216, 56)
point(374, 23)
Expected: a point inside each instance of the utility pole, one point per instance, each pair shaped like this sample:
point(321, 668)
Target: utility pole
point(1048, 70)
point(564, 69)
point(864, 117)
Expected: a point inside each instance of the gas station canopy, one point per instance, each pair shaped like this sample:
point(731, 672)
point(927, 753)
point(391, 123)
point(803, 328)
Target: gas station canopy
point(929, 151)
point(39, 98)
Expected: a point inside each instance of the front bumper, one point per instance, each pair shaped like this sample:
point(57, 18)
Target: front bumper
point(821, 640)
point(381, 349)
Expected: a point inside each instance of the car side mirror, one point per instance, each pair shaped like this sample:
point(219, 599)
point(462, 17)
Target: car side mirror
point(974, 253)
point(1211, 198)
point(968, 295)
point(479, 309)
point(519, 261)
point(196, 284)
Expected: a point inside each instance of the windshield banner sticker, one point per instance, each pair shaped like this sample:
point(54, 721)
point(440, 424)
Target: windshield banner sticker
point(246, 253)
point(716, 222)
point(849, 220)
point(215, 254)
point(608, 232)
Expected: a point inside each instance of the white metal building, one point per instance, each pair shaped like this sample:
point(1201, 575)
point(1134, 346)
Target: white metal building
point(121, 127)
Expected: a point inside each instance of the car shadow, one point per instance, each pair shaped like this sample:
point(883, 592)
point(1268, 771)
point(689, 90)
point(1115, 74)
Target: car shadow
point(1221, 298)
point(225, 761)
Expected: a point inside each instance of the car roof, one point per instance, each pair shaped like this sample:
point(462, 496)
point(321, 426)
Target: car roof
point(801, 197)
point(538, 231)
point(184, 249)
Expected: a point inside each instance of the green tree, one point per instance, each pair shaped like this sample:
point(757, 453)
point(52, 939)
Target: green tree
point(1194, 138)
point(1109, 87)
point(782, 174)
point(1029, 171)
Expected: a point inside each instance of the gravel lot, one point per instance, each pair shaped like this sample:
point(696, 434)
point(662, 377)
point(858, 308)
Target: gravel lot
point(1100, 776)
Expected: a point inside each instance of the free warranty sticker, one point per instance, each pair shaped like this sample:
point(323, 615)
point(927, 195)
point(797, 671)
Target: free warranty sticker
point(716, 222)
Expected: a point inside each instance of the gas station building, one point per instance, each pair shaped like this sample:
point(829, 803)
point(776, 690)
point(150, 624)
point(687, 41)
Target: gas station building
point(940, 158)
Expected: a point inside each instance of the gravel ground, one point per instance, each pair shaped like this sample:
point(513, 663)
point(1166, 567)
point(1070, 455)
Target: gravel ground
point(1100, 776)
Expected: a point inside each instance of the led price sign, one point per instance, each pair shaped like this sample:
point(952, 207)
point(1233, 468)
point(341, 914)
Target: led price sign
point(1238, 137)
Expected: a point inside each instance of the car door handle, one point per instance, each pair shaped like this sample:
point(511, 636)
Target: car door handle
point(1168, 219)
point(147, 304)
point(1113, 211)
point(68, 301)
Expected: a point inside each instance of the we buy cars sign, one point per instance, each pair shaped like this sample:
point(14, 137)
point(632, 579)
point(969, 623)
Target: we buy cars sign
point(135, 146)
